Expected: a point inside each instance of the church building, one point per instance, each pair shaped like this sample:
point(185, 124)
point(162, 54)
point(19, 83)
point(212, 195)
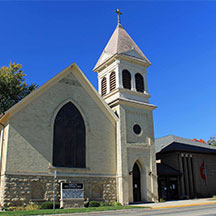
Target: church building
point(104, 139)
point(185, 168)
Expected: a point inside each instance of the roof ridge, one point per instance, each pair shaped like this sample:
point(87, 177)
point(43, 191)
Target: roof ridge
point(71, 68)
point(118, 26)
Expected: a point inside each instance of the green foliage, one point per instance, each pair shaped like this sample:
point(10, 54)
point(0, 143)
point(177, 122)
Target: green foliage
point(116, 204)
point(49, 205)
point(65, 211)
point(16, 208)
point(110, 204)
point(13, 87)
point(94, 204)
point(212, 141)
point(106, 204)
point(32, 206)
point(162, 200)
point(29, 207)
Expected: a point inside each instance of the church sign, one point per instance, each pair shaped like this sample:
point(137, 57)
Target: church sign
point(72, 190)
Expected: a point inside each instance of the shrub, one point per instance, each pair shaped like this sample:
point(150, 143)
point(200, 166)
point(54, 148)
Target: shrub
point(86, 204)
point(94, 204)
point(116, 204)
point(32, 206)
point(105, 204)
point(15, 208)
point(162, 200)
point(49, 205)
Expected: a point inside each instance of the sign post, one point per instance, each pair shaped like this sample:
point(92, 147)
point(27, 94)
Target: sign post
point(55, 175)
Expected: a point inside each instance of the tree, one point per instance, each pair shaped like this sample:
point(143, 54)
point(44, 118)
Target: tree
point(13, 86)
point(212, 141)
point(200, 140)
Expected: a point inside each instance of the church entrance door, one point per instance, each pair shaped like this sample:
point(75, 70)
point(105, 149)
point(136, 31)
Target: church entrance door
point(136, 183)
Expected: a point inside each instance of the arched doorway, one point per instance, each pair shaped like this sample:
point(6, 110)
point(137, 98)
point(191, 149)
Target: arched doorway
point(136, 183)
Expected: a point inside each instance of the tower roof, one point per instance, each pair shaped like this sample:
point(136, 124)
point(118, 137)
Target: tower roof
point(121, 43)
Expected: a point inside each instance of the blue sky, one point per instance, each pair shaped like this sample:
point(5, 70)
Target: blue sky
point(178, 37)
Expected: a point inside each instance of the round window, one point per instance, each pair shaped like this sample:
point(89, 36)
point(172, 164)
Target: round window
point(137, 129)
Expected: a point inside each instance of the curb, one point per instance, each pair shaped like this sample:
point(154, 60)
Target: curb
point(186, 205)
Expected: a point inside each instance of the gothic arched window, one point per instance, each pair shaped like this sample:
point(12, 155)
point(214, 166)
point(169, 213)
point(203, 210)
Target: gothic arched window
point(112, 81)
point(103, 86)
point(126, 78)
point(139, 82)
point(69, 138)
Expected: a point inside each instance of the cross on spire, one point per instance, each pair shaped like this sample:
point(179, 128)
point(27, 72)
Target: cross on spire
point(118, 14)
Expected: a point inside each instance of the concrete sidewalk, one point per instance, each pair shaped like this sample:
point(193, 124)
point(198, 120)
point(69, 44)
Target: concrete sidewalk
point(178, 203)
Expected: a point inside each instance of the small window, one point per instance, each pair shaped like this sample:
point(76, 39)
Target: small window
point(126, 76)
point(137, 129)
point(112, 81)
point(103, 86)
point(139, 82)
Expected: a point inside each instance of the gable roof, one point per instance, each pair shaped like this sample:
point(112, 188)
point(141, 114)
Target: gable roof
point(175, 146)
point(73, 68)
point(172, 143)
point(121, 43)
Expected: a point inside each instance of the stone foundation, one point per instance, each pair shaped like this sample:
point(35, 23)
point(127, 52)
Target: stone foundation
point(19, 190)
point(72, 203)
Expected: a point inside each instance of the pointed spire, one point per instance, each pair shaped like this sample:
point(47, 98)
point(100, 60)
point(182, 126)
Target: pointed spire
point(122, 44)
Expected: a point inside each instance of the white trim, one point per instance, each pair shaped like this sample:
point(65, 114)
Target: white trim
point(133, 103)
point(73, 68)
point(60, 174)
point(123, 57)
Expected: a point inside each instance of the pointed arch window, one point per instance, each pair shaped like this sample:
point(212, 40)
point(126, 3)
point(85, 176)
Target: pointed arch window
point(103, 86)
point(69, 146)
point(139, 82)
point(112, 81)
point(126, 76)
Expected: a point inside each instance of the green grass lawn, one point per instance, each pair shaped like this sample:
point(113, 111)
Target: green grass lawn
point(62, 211)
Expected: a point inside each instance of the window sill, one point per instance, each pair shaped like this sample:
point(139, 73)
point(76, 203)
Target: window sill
point(67, 168)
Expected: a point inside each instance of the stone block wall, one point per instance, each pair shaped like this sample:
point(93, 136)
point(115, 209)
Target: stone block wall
point(19, 190)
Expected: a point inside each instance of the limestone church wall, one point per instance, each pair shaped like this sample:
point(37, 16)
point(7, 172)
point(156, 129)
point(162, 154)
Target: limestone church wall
point(22, 189)
point(141, 148)
point(29, 147)
point(143, 118)
point(31, 132)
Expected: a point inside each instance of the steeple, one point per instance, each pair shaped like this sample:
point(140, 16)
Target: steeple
point(122, 81)
point(122, 68)
point(121, 43)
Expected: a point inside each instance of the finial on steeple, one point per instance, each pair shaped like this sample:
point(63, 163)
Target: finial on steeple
point(118, 14)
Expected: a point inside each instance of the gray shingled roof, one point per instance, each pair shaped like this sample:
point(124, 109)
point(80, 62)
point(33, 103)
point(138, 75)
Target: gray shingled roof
point(163, 142)
point(121, 43)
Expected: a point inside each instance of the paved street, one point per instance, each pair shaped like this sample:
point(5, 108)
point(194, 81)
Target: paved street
point(207, 210)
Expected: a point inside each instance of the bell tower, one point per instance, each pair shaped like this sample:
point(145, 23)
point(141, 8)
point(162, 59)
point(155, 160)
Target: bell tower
point(122, 80)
